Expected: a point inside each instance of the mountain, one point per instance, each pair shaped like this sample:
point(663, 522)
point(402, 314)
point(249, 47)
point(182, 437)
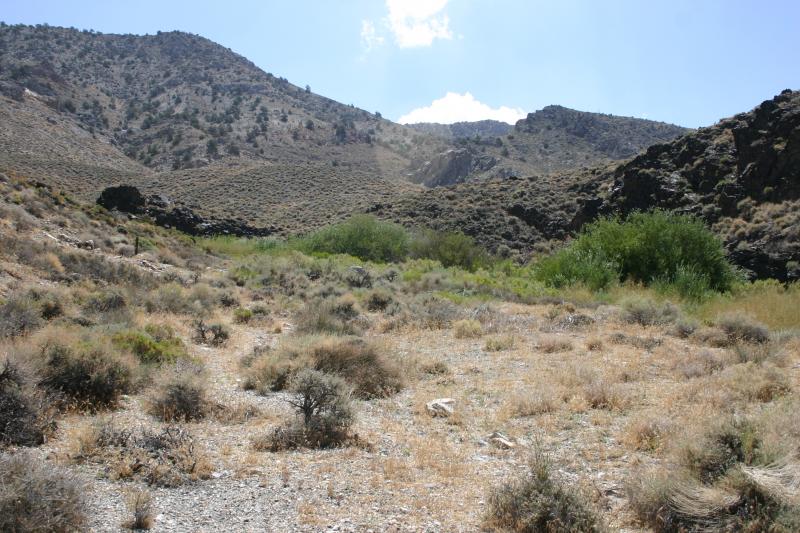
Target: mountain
point(550, 140)
point(464, 130)
point(741, 175)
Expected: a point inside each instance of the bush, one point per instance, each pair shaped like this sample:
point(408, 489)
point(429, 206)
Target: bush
point(741, 328)
point(181, 398)
point(450, 249)
point(140, 505)
point(379, 300)
point(153, 345)
point(646, 312)
point(211, 334)
point(646, 247)
point(89, 373)
point(359, 362)
point(362, 236)
point(26, 414)
point(324, 411)
point(242, 315)
point(18, 316)
point(537, 502)
point(37, 497)
point(327, 317)
point(728, 479)
point(168, 457)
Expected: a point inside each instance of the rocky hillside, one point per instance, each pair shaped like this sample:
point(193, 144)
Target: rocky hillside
point(741, 175)
point(464, 130)
point(548, 141)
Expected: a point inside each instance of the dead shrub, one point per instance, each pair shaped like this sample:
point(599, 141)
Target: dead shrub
point(38, 497)
point(26, 413)
point(211, 334)
point(327, 317)
point(169, 457)
point(324, 414)
point(18, 316)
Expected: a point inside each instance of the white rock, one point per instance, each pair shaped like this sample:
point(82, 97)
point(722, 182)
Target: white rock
point(499, 440)
point(441, 407)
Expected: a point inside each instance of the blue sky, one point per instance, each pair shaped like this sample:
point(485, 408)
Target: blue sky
point(680, 61)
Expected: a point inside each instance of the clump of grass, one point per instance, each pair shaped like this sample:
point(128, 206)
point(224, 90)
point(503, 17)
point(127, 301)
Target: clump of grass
point(741, 328)
point(324, 414)
point(553, 344)
point(539, 502)
point(467, 329)
point(500, 343)
point(140, 505)
point(728, 478)
point(38, 497)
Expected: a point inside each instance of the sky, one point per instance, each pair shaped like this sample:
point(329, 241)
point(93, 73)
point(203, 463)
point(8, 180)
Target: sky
point(688, 62)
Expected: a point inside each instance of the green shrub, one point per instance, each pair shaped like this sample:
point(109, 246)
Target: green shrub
point(450, 249)
point(537, 502)
point(154, 344)
point(37, 497)
point(653, 247)
point(361, 236)
point(242, 315)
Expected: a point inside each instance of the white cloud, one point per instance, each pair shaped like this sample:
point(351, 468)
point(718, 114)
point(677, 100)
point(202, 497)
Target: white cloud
point(454, 107)
point(369, 37)
point(418, 22)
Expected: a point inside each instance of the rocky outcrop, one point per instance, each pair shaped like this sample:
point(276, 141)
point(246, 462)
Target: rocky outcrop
point(166, 213)
point(451, 167)
point(734, 174)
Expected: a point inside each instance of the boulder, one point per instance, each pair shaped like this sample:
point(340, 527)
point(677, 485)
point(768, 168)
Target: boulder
point(125, 198)
point(441, 407)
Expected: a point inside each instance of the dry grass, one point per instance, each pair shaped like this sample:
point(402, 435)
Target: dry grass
point(467, 329)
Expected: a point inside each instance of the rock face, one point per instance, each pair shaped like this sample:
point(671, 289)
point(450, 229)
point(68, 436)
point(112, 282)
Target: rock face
point(451, 167)
point(741, 175)
point(164, 212)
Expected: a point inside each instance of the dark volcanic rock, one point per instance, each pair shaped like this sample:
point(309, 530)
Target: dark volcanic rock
point(736, 172)
point(125, 198)
point(163, 212)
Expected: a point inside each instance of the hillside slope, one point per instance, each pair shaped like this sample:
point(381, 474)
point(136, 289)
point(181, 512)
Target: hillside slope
point(741, 175)
point(551, 140)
